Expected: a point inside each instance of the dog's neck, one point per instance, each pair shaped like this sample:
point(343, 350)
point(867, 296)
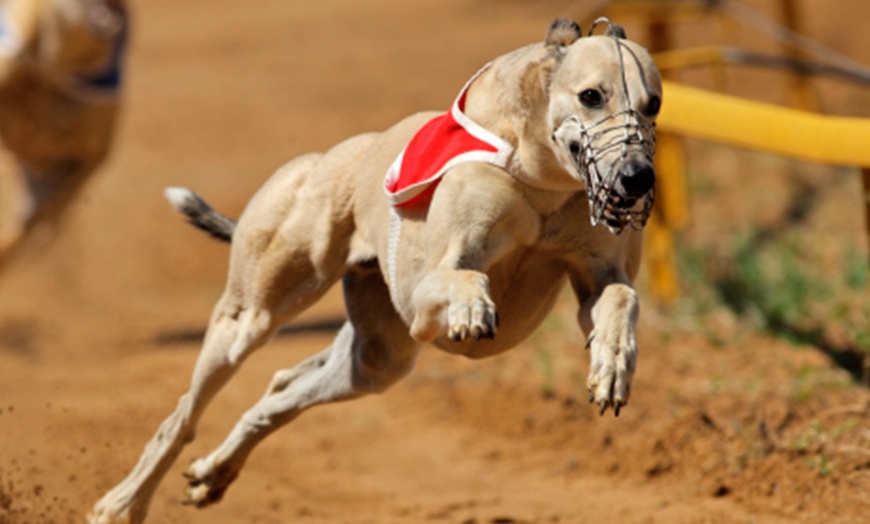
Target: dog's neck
point(510, 100)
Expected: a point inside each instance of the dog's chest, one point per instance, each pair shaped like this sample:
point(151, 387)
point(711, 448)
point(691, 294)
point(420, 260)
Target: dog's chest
point(568, 232)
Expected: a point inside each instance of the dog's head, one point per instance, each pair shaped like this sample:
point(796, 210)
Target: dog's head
point(79, 38)
point(604, 93)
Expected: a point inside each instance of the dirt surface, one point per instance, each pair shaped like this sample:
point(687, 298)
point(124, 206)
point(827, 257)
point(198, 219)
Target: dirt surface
point(98, 330)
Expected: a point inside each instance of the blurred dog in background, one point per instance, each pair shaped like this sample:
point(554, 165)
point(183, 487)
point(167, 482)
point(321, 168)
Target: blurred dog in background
point(60, 80)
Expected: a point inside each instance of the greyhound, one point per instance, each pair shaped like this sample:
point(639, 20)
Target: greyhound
point(456, 230)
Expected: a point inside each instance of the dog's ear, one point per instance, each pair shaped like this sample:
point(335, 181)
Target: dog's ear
point(562, 32)
point(615, 29)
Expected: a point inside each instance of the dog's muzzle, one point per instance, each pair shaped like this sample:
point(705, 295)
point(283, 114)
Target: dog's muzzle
point(621, 190)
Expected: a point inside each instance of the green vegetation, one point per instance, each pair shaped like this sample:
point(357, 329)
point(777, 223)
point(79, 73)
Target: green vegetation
point(776, 283)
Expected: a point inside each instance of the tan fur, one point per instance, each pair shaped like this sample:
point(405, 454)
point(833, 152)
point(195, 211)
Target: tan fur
point(475, 272)
point(54, 133)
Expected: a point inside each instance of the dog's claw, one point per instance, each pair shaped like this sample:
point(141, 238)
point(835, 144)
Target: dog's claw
point(616, 407)
point(474, 318)
point(603, 405)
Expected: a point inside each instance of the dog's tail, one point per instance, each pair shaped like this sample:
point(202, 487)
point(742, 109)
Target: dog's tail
point(200, 214)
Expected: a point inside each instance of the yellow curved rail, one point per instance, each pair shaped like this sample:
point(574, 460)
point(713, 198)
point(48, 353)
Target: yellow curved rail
point(754, 125)
point(745, 123)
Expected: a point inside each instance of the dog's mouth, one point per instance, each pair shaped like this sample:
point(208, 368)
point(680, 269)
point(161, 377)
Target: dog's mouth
point(612, 201)
point(617, 211)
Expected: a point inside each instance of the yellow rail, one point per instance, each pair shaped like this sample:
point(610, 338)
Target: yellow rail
point(754, 125)
point(783, 131)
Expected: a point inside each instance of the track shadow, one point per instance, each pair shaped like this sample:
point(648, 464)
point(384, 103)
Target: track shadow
point(195, 336)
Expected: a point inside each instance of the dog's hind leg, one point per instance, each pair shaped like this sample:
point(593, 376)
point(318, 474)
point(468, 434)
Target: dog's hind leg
point(284, 258)
point(233, 333)
point(372, 351)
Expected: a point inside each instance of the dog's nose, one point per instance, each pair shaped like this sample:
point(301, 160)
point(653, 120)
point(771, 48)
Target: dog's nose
point(636, 179)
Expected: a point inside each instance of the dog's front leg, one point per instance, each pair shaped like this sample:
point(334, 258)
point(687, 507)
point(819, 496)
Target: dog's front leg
point(476, 217)
point(608, 314)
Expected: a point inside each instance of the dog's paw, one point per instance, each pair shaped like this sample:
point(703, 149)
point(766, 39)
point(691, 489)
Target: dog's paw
point(455, 303)
point(613, 359)
point(205, 484)
point(475, 317)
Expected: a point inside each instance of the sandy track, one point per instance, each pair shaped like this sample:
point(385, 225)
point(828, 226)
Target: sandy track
point(218, 97)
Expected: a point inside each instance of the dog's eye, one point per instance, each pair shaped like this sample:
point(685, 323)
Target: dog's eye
point(591, 98)
point(653, 106)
